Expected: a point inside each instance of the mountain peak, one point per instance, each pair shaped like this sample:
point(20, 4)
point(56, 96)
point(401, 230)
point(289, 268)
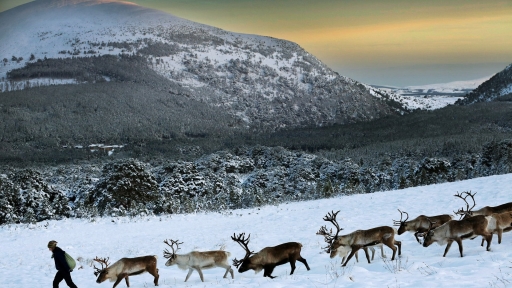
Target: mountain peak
point(264, 82)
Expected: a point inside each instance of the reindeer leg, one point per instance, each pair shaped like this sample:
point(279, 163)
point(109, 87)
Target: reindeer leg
point(156, 277)
point(399, 244)
point(373, 252)
point(417, 238)
point(483, 239)
point(365, 249)
point(459, 242)
point(489, 240)
point(292, 264)
point(200, 273)
point(267, 272)
point(119, 278)
point(500, 233)
point(303, 261)
point(450, 241)
point(228, 269)
point(127, 280)
point(354, 250)
point(390, 243)
point(153, 271)
point(189, 273)
point(382, 251)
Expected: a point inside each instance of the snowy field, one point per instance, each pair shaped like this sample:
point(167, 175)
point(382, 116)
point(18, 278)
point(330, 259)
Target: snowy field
point(26, 261)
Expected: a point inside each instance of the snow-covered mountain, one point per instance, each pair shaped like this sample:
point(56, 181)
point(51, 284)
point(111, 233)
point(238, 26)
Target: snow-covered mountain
point(494, 88)
point(261, 80)
point(432, 96)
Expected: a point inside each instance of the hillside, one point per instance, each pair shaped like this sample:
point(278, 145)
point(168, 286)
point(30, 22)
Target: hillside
point(497, 88)
point(27, 262)
point(265, 83)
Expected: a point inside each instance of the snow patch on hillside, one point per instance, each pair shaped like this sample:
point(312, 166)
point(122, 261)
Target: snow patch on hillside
point(35, 82)
point(506, 90)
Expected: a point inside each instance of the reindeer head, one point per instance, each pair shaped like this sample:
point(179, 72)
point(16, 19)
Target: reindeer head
point(402, 223)
point(171, 255)
point(244, 264)
point(102, 273)
point(332, 241)
point(428, 236)
point(465, 213)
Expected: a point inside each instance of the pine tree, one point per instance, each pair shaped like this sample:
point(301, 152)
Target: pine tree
point(123, 184)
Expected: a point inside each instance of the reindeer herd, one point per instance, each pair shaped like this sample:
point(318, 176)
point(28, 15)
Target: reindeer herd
point(440, 228)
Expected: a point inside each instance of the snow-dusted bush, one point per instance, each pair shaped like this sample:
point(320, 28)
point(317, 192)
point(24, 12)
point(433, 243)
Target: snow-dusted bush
point(497, 156)
point(10, 202)
point(123, 187)
point(27, 197)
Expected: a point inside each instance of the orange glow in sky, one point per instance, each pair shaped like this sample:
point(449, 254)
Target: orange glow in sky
point(392, 42)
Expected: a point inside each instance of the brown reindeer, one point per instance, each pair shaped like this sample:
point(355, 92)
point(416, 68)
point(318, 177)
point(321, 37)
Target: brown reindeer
point(197, 260)
point(126, 267)
point(499, 223)
point(458, 230)
point(344, 251)
point(420, 224)
point(361, 239)
point(269, 257)
point(486, 211)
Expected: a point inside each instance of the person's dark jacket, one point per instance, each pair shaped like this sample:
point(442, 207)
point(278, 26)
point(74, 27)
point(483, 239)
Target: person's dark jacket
point(60, 260)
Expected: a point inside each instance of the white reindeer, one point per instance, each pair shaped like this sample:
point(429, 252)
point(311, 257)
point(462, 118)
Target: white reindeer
point(197, 260)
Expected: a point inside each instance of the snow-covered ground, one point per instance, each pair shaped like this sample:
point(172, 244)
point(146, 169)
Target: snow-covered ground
point(26, 261)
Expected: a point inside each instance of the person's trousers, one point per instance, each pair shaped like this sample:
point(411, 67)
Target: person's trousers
point(63, 275)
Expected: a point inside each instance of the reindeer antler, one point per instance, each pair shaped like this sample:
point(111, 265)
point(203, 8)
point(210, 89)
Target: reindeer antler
point(101, 261)
point(237, 262)
point(174, 246)
point(398, 223)
point(331, 217)
point(240, 239)
point(329, 238)
point(461, 211)
point(323, 231)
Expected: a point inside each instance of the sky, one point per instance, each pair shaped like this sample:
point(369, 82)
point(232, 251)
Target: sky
point(26, 261)
point(393, 42)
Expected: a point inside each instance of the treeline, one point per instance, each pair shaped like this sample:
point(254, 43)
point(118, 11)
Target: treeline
point(173, 134)
point(122, 68)
point(238, 178)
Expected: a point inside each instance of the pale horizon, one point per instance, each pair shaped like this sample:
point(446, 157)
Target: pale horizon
point(392, 43)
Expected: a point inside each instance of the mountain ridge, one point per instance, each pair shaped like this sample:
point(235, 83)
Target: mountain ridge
point(265, 82)
point(498, 87)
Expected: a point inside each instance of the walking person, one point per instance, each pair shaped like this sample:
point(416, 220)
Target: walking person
point(63, 269)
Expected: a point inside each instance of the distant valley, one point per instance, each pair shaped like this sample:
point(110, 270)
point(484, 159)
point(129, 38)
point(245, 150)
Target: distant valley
point(432, 96)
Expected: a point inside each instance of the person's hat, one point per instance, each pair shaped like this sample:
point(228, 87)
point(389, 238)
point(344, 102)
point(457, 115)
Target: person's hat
point(52, 244)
